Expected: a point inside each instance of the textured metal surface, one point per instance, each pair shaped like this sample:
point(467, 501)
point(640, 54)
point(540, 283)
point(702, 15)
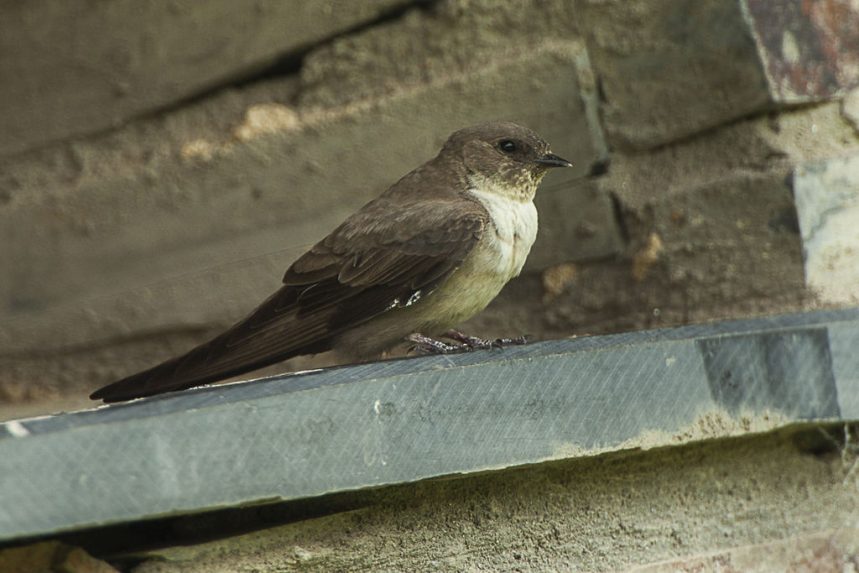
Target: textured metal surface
point(303, 435)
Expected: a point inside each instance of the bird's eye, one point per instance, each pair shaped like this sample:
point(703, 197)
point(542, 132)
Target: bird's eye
point(507, 146)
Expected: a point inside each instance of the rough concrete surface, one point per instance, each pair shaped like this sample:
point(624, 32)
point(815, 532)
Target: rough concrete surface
point(832, 550)
point(850, 108)
point(672, 68)
point(204, 174)
point(827, 199)
point(50, 557)
point(68, 69)
point(448, 36)
point(602, 514)
point(695, 205)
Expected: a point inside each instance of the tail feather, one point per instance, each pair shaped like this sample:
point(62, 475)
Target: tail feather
point(269, 335)
point(197, 367)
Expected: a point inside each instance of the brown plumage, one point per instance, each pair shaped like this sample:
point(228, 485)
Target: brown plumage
point(403, 263)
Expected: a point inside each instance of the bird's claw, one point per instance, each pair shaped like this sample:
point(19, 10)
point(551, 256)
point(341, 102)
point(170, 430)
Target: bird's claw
point(475, 343)
point(462, 343)
point(426, 345)
point(517, 341)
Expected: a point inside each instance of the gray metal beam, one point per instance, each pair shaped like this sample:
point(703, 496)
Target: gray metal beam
point(302, 435)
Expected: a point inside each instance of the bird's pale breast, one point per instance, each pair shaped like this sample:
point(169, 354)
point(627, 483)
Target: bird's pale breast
point(498, 256)
point(515, 229)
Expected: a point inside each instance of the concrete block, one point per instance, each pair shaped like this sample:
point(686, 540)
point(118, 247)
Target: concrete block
point(827, 204)
point(713, 220)
point(68, 69)
point(729, 239)
point(151, 240)
point(722, 206)
point(672, 68)
point(430, 43)
point(401, 421)
point(577, 223)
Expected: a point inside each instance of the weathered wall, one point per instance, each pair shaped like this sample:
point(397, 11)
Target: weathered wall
point(131, 233)
point(70, 69)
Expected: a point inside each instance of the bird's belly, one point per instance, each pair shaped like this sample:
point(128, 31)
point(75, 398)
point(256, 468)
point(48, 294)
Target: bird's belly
point(456, 300)
point(462, 296)
point(474, 285)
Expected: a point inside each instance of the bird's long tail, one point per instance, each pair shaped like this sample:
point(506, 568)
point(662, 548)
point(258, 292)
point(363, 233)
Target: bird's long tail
point(269, 335)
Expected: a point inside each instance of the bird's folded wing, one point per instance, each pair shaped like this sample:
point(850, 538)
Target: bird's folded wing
point(371, 264)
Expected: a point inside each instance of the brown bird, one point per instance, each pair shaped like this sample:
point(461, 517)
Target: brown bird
point(429, 253)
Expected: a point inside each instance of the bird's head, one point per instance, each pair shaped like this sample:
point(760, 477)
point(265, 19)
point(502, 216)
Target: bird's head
point(504, 156)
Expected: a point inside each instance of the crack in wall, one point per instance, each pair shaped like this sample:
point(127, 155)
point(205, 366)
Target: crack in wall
point(291, 63)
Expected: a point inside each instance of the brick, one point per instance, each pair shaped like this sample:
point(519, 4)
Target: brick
point(672, 68)
point(67, 69)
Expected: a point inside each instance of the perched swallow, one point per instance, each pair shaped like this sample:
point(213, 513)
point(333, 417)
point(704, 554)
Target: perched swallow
point(429, 253)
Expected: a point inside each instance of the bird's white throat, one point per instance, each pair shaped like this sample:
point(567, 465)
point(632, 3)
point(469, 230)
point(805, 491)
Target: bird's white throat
point(515, 222)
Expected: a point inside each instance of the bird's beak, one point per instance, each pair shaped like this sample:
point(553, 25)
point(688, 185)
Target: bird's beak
point(552, 160)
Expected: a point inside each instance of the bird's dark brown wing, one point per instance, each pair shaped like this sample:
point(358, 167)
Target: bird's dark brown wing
point(382, 257)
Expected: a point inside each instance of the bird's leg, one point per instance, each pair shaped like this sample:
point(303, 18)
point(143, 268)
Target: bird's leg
point(427, 345)
point(473, 342)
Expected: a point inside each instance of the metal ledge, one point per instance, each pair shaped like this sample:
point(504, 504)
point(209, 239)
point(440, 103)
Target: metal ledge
point(309, 434)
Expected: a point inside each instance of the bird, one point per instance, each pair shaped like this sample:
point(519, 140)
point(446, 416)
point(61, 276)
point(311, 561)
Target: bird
point(427, 254)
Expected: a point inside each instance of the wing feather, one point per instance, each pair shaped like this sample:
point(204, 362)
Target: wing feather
point(370, 264)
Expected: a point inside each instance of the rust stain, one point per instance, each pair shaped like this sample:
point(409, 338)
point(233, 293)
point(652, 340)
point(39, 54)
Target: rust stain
point(810, 47)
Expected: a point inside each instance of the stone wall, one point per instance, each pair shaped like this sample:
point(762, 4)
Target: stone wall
point(161, 166)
